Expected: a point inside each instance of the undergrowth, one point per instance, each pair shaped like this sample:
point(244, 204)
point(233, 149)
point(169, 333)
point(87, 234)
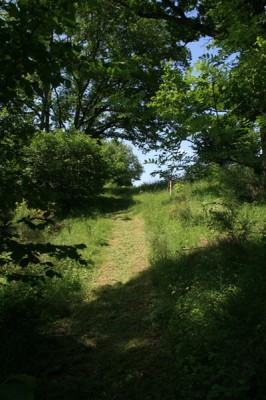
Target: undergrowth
point(45, 272)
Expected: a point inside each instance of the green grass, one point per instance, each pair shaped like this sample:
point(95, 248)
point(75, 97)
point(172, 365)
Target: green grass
point(208, 265)
point(73, 245)
point(189, 322)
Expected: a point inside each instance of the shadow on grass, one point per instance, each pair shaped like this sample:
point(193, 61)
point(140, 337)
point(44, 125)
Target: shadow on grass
point(152, 187)
point(122, 355)
point(112, 200)
point(23, 255)
point(213, 302)
point(211, 190)
point(193, 327)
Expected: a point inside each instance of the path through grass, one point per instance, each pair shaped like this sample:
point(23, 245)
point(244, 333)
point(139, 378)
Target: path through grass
point(180, 318)
point(110, 350)
point(126, 253)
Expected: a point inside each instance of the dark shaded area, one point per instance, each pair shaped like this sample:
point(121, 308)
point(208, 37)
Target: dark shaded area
point(152, 187)
point(24, 254)
point(114, 200)
point(193, 327)
point(111, 201)
point(112, 351)
point(209, 190)
point(213, 303)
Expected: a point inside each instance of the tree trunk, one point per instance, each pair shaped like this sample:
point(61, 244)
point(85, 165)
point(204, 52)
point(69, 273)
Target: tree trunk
point(46, 100)
point(263, 150)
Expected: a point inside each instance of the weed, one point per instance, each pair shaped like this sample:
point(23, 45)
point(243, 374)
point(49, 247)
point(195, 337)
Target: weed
point(228, 219)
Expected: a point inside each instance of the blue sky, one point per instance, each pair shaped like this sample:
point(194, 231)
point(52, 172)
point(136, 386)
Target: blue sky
point(197, 49)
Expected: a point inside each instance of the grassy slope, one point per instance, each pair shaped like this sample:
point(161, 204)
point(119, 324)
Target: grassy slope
point(191, 325)
point(208, 264)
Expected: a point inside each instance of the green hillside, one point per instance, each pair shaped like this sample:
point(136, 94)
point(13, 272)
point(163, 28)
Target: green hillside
point(150, 296)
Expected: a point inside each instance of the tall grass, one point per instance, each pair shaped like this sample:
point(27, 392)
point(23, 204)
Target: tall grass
point(207, 253)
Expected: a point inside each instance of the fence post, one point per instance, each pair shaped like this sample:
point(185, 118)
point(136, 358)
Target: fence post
point(170, 186)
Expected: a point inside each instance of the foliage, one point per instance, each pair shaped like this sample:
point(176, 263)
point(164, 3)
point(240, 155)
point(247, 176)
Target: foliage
point(94, 66)
point(114, 74)
point(196, 103)
point(219, 106)
point(123, 165)
point(234, 23)
point(15, 132)
point(28, 49)
point(241, 182)
point(64, 166)
point(89, 65)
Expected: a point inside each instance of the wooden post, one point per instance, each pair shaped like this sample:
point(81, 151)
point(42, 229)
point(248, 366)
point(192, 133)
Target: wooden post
point(170, 186)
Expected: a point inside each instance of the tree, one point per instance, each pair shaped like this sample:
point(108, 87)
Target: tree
point(247, 94)
point(94, 65)
point(15, 132)
point(124, 166)
point(235, 22)
point(237, 27)
point(187, 20)
point(29, 30)
point(114, 75)
point(27, 52)
point(198, 104)
point(94, 69)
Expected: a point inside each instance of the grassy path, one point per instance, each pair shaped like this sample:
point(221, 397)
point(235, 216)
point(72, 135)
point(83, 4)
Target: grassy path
point(126, 252)
point(115, 351)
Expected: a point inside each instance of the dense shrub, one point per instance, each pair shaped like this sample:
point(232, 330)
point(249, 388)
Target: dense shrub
point(9, 188)
point(124, 166)
point(14, 134)
point(64, 166)
point(242, 181)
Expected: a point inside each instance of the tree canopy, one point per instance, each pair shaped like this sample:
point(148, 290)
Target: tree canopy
point(202, 108)
point(91, 66)
point(118, 69)
point(220, 105)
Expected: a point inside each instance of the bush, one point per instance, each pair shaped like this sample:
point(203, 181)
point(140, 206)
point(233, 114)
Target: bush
point(242, 182)
point(14, 133)
point(124, 166)
point(64, 166)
